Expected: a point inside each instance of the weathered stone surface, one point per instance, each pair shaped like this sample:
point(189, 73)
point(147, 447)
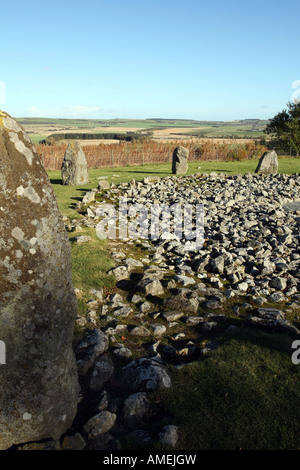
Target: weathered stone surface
point(136, 406)
point(180, 161)
point(169, 436)
point(268, 163)
point(103, 371)
point(38, 306)
point(151, 286)
point(75, 442)
point(99, 424)
point(144, 375)
point(183, 301)
point(89, 197)
point(93, 344)
point(74, 170)
point(102, 185)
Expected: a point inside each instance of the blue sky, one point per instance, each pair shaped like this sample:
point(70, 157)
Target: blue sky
point(217, 60)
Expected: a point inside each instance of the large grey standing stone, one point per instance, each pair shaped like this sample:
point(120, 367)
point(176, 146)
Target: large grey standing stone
point(268, 163)
point(74, 169)
point(180, 161)
point(39, 383)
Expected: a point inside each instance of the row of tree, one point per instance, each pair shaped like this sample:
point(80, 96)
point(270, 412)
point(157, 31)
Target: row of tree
point(284, 130)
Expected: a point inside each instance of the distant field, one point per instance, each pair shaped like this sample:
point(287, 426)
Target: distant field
point(162, 129)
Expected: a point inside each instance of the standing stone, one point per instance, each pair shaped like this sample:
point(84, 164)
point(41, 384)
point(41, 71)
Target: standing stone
point(180, 161)
point(74, 170)
point(268, 163)
point(38, 306)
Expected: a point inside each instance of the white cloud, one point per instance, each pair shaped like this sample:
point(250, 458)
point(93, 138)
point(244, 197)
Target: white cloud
point(64, 112)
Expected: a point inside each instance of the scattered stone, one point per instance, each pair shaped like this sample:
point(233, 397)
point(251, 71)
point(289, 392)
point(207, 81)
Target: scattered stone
point(151, 179)
point(208, 326)
point(151, 287)
point(131, 264)
point(89, 197)
point(93, 344)
point(184, 280)
point(269, 313)
point(74, 442)
point(145, 375)
point(103, 184)
point(136, 407)
point(122, 312)
point(99, 424)
point(122, 352)
point(97, 293)
point(158, 330)
point(183, 301)
point(169, 436)
point(172, 316)
point(103, 371)
point(140, 331)
point(120, 273)
point(83, 239)
point(145, 307)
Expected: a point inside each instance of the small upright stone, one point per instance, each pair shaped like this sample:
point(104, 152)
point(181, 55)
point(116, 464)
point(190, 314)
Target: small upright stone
point(38, 306)
point(74, 170)
point(180, 161)
point(268, 163)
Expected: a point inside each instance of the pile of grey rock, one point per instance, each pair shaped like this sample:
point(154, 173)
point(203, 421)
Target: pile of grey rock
point(251, 232)
point(247, 274)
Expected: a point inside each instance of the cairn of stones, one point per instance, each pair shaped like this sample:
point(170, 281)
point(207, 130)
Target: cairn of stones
point(249, 259)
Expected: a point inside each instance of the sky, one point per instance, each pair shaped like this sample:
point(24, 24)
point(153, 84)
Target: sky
point(139, 59)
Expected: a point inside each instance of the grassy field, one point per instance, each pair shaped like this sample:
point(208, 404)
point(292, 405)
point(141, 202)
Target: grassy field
point(246, 394)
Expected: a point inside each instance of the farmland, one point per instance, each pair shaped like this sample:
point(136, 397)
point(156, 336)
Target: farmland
point(150, 141)
point(159, 129)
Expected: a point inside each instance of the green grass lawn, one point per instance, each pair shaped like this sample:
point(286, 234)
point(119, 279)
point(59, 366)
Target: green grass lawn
point(246, 394)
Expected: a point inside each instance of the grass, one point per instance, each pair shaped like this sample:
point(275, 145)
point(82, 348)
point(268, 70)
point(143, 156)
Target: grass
point(90, 263)
point(36, 138)
point(246, 394)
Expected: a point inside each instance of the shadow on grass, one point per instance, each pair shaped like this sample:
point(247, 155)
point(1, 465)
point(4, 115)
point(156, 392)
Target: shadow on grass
point(247, 397)
point(55, 181)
